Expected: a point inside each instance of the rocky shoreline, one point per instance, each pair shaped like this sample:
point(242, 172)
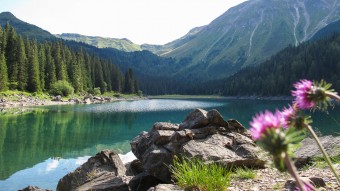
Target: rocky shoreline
point(17, 100)
point(205, 135)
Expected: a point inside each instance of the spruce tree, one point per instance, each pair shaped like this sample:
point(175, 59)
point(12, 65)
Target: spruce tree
point(3, 72)
point(50, 75)
point(33, 84)
point(129, 82)
point(22, 65)
point(11, 54)
point(42, 63)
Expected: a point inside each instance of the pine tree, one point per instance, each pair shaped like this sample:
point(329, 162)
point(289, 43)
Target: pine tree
point(3, 72)
point(42, 63)
point(11, 54)
point(22, 65)
point(129, 82)
point(77, 80)
point(50, 75)
point(33, 84)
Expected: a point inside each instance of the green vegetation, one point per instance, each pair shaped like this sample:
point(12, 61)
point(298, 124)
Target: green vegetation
point(245, 35)
point(194, 173)
point(312, 60)
point(244, 173)
point(54, 67)
point(101, 42)
point(320, 162)
point(62, 88)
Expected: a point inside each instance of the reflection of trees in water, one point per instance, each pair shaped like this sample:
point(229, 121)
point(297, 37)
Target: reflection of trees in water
point(243, 110)
point(31, 138)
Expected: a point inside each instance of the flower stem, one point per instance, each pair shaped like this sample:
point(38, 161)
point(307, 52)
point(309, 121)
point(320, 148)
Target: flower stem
point(328, 160)
point(292, 171)
point(333, 95)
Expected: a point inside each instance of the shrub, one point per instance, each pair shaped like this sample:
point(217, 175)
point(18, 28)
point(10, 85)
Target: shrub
point(62, 88)
point(96, 91)
point(194, 173)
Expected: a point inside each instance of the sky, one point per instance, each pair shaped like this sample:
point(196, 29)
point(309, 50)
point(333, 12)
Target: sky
point(141, 21)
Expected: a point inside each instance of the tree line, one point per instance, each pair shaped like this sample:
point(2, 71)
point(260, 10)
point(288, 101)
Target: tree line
point(311, 60)
point(28, 65)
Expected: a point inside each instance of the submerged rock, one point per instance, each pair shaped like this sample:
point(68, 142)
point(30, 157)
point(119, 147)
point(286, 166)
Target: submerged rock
point(33, 188)
point(202, 134)
point(103, 171)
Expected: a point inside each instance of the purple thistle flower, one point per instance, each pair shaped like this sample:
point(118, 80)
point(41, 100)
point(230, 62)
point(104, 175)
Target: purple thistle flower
point(302, 94)
point(288, 116)
point(263, 121)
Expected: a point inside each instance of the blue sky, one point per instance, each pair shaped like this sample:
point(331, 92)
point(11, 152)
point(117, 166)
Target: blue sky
point(142, 21)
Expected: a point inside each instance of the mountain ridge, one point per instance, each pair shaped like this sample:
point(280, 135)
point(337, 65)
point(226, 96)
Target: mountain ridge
point(123, 44)
point(24, 28)
point(250, 33)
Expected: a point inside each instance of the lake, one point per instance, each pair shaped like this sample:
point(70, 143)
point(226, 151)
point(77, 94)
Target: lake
point(39, 146)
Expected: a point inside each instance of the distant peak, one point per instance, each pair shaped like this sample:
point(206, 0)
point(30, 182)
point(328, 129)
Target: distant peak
point(7, 14)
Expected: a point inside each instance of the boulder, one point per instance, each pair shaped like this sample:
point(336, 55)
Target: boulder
point(196, 119)
point(202, 134)
point(143, 182)
point(87, 100)
point(103, 171)
point(57, 98)
point(165, 126)
point(33, 188)
point(310, 150)
point(166, 187)
point(134, 167)
point(98, 98)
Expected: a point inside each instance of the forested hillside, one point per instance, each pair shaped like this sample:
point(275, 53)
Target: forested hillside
point(311, 60)
point(28, 65)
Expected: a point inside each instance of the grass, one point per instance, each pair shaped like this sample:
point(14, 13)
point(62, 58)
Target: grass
point(9, 95)
point(194, 173)
point(319, 162)
point(244, 173)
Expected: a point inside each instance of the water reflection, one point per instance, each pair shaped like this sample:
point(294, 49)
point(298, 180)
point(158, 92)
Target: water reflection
point(51, 141)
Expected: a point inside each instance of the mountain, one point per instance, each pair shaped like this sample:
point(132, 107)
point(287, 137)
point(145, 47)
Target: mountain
point(327, 31)
point(153, 72)
point(101, 42)
point(23, 28)
point(248, 34)
point(313, 60)
point(164, 49)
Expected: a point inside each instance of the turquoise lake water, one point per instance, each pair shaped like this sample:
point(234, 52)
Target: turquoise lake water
point(42, 145)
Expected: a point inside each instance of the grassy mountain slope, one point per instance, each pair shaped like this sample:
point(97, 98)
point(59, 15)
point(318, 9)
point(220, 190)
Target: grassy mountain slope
point(249, 34)
point(23, 28)
point(101, 42)
point(313, 60)
point(164, 49)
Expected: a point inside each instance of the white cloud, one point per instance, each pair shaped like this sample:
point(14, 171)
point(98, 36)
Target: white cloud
point(52, 165)
point(142, 21)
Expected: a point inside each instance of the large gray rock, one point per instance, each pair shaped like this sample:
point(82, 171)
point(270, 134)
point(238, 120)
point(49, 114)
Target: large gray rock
point(143, 182)
point(202, 134)
point(310, 150)
point(101, 172)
